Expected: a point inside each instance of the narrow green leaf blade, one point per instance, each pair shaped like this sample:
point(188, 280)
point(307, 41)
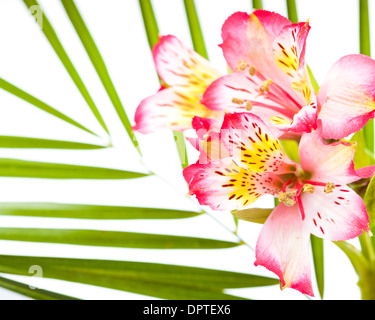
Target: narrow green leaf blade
point(314, 83)
point(257, 215)
point(5, 85)
point(364, 28)
point(318, 257)
point(51, 36)
point(153, 279)
point(152, 32)
point(85, 211)
point(46, 170)
point(37, 143)
point(362, 156)
point(118, 239)
point(257, 4)
point(195, 28)
point(369, 199)
point(292, 10)
point(99, 65)
point(149, 21)
point(38, 294)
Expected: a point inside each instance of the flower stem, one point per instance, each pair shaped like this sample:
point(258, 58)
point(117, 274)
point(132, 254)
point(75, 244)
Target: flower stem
point(366, 284)
point(195, 28)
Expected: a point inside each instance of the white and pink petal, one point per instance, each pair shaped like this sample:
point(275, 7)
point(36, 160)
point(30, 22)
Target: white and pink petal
point(347, 96)
point(330, 161)
point(169, 109)
point(305, 120)
point(253, 144)
point(178, 65)
point(289, 48)
point(223, 185)
point(283, 248)
point(338, 215)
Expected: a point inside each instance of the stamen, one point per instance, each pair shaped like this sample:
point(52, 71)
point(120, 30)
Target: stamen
point(288, 197)
point(265, 87)
point(291, 193)
point(288, 183)
point(289, 202)
point(282, 196)
point(241, 65)
point(329, 187)
point(308, 188)
point(237, 101)
point(300, 206)
point(315, 183)
point(252, 70)
point(249, 105)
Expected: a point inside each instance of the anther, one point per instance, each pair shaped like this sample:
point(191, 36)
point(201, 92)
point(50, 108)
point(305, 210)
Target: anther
point(329, 187)
point(252, 70)
point(289, 202)
point(249, 105)
point(265, 87)
point(241, 65)
point(291, 193)
point(308, 188)
point(282, 196)
point(237, 101)
point(287, 197)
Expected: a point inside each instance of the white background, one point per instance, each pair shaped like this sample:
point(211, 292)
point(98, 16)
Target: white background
point(28, 61)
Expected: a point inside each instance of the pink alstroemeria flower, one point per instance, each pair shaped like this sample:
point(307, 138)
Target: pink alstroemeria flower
point(185, 76)
point(314, 195)
point(267, 52)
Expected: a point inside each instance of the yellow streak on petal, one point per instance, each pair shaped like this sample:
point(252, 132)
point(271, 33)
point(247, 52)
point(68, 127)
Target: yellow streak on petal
point(279, 120)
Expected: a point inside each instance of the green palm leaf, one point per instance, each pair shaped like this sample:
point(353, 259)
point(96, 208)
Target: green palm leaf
point(85, 211)
point(105, 238)
point(39, 104)
point(54, 41)
point(195, 28)
point(37, 143)
point(318, 257)
point(34, 293)
point(46, 170)
point(152, 279)
point(98, 63)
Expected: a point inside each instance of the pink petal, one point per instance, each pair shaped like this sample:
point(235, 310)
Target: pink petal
point(240, 92)
point(283, 248)
point(289, 48)
point(304, 120)
point(253, 145)
point(347, 96)
point(208, 141)
point(333, 161)
point(225, 92)
point(169, 108)
point(248, 37)
point(204, 126)
point(339, 215)
point(178, 65)
point(223, 185)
